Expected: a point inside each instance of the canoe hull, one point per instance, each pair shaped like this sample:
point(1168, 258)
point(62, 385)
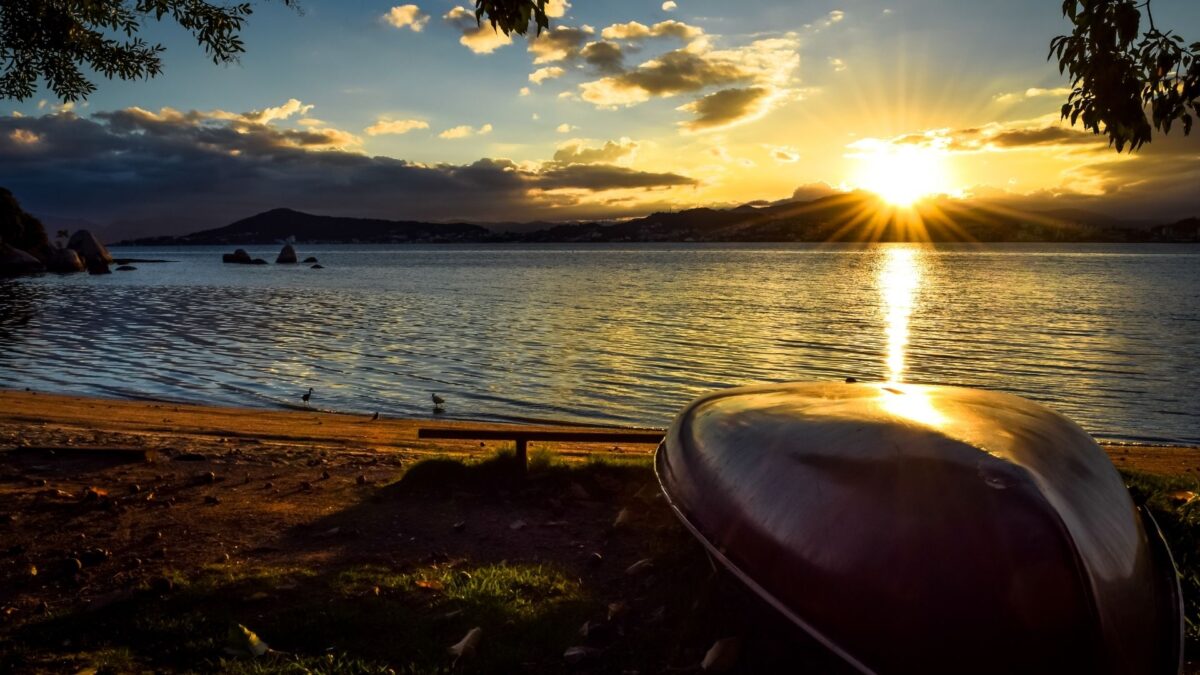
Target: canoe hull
point(929, 529)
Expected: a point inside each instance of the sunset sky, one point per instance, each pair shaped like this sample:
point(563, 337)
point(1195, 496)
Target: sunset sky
point(410, 111)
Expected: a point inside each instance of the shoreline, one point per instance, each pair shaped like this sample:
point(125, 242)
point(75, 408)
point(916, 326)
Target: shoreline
point(38, 419)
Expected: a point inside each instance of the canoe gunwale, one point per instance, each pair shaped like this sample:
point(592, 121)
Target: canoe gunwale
point(745, 579)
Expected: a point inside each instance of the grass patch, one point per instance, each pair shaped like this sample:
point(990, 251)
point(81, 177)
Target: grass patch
point(1174, 503)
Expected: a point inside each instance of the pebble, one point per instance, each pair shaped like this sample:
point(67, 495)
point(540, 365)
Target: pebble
point(212, 499)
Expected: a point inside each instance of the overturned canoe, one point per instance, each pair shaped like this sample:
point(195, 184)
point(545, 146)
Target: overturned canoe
point(927, 529)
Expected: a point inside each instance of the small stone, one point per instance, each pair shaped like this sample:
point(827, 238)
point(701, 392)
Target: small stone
point(643, 565)
point(208, 477)
point(722, 656)
point(212, 499)
point(580, 653)
point(134, 489)
point(162, 585)
point(72, 566)
point(623, 518)
point(306, 486)
point(617, 610)
point(324, 475)
point(460, 526)
point(517, 525)
point(361, 480)
point(94, 556)
point(595, 558)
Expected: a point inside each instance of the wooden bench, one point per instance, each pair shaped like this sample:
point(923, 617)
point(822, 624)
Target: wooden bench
point(522, 438)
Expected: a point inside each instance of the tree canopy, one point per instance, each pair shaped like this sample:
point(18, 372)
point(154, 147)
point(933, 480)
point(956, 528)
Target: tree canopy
point(1129, 76)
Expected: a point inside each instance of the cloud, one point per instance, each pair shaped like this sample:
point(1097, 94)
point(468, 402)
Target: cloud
point(465, 131)
point(766, 63)
point(669, 6)
point(561, 43)
point(1032, 92)
point(481, 39)
point(1040, 132)
point(837, 64)
point(386, 125)
point(727, 107)
point(406, 16)
point(548, 73)
point(578, 152)
point(523, 91)
point(604, 56)
point(267, 115)
point(187, 170)
point(633, 31)
point(783, 154)
point(564, 128)
point(556, 9)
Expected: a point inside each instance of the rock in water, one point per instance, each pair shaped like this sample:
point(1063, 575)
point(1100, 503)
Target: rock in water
point(318, 266)
point(239, 256)
point(126, 268)
point(287, 255)
point(259, 261)
point(310, 259)
point(65, 260)
point(89, 248)
point(14, 262)
point(97, 266)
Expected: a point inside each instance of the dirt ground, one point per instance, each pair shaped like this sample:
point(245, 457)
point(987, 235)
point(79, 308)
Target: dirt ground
point(103, 502)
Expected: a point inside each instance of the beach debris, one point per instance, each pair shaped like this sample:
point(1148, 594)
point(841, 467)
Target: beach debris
point(580, 653)
point(33, 570)
point(595, 630)
point(643, 565)
point(94, 494)
point(722, 656)
point(517, 525)
point(617, 610)
point(623, 518)
point(94, 556)
point(246, 642)
point(1181, 497)
point(466, 647)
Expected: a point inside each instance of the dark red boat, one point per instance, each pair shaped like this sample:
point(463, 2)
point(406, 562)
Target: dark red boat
point(921, 529)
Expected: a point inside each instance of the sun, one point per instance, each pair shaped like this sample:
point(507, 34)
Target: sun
point(902, 174)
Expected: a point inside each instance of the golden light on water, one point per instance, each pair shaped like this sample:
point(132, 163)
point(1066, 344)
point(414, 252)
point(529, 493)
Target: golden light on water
point(899, 278)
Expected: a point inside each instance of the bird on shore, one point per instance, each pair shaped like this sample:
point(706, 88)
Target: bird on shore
point(307, 396)
point(438, 402)
point(375, 417)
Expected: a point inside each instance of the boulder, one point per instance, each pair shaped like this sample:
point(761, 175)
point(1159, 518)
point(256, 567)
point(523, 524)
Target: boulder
point(239, 256)
point(88, 247)
point(126, 268)
point(64, 261)
point(318, 266)
point(287, 255)
point(310, 259)
point(97, 266)
point(14, 262)
point(259, 261)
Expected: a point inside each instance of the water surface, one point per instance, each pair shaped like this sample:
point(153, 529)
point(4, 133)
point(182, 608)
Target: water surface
point(1107, 334)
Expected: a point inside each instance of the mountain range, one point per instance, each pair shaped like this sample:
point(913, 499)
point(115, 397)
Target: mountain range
point(852, 217)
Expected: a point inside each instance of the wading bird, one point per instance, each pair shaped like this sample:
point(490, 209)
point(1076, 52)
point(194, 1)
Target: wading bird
point(307, 396)
point(438, 401)
point(375, 417)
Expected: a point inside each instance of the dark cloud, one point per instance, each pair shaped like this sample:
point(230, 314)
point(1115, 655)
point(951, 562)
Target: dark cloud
point(1052, 135)
point(563, 43)
point(604, 56)
point(185, 171)
point(681, 71)
point(727, 107)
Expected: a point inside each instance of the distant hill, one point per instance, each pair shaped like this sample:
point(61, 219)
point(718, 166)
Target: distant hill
point(279, 224)
point(853, 217)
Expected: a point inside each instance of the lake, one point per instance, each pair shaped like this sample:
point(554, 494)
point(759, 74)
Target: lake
point(1107, 334)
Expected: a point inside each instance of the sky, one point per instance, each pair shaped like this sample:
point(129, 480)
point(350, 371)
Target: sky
point(411, 111)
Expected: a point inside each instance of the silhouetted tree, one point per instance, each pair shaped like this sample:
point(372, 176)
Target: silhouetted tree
point(54, 39)
point(1127, 81)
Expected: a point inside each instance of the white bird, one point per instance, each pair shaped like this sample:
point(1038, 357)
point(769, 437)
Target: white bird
point(438, 401)
point(307, 396)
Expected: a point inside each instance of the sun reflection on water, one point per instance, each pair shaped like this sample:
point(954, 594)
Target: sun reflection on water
point(899, 278)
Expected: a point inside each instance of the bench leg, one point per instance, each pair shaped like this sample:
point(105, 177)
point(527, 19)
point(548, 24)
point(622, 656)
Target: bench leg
point(522, 454)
